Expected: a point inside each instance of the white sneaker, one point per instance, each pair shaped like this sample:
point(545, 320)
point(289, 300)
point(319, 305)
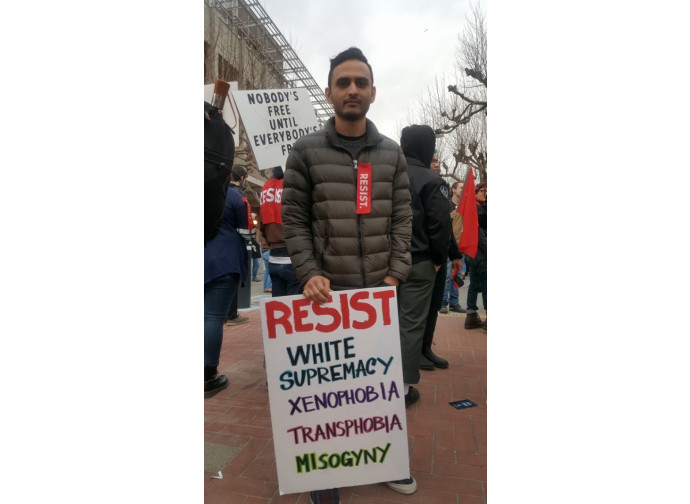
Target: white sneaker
point(404, 486)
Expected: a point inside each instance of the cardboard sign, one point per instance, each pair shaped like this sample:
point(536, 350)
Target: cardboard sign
point(335, 389)
point(229, 117)
point(274, 119)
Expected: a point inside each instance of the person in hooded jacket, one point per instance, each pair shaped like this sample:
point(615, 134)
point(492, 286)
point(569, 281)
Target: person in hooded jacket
point(429, 246)
point(238, 177)
point(226, 264)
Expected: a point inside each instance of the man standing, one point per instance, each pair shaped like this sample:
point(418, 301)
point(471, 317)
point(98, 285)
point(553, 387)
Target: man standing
point(225, 269)
point(451, 300)
point(428, 360)
point(283, 279)
point(342, 233)
point(431, 236)
point(238, 175)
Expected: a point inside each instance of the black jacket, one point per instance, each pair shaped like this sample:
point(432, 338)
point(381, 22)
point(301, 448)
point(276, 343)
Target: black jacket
point(431, 224)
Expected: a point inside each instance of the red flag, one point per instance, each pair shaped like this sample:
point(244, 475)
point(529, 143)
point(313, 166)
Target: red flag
point(469, 239)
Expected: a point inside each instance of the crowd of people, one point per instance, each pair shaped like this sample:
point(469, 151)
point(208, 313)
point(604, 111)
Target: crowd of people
point(314, 239)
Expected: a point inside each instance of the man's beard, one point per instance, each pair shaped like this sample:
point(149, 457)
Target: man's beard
point(351, 115)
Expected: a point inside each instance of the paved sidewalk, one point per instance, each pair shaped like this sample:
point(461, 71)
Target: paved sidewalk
point(447, 446)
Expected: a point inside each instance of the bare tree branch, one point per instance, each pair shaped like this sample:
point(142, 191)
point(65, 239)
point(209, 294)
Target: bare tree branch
point(454, 89)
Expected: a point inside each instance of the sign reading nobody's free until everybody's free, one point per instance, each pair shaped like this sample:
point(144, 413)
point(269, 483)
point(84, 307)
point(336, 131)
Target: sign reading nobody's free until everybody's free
point(336, 389)
point(274, 119)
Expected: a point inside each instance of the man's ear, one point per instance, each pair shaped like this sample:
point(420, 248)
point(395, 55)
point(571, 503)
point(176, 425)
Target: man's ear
point(329, 98)
point(373, 94)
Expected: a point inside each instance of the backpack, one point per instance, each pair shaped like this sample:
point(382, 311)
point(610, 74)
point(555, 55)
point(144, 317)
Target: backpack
point(219, 153)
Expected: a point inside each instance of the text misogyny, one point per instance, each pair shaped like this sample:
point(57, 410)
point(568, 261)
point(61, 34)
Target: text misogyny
point(350, 458)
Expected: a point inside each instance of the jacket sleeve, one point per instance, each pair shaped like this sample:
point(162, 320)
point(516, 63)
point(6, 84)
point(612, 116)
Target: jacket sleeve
point(438, 224)
point(400, 260)
point(453, 252)
point(296, 215)
point(481, 217)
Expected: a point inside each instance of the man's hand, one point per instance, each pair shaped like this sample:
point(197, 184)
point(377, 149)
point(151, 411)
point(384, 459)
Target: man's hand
point(391, 280)
point(317, 289)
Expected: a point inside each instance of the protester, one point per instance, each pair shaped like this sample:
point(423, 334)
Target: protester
point(477, 266)
point(238, 176)
point(225, 268)
point(265, 253)
point(420, 295)
point(451, 300)
point(283, 278)
point(331, 245)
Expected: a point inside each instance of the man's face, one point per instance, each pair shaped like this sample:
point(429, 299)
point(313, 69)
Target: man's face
point(481, 194)
point(458, 190)
point(434, 164)
point(350, 90)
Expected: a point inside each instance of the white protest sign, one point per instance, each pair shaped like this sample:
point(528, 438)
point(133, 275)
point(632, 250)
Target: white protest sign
point(274, 119)
point(227, 113)
point(335, 389)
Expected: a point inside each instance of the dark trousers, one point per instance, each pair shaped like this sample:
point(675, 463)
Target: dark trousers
point(414, 296)
point(217, 295)
point(436, 301)
point(283, 280)
point(477, 269)
point(232, 311)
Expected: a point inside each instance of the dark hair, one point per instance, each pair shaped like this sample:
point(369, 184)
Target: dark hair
point(455, 185)
point(278, 172)
point(353, 53)
point(237, 173)
point(480, 187)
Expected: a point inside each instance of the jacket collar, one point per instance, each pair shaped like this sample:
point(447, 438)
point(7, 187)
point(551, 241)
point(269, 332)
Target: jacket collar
point(371, 138)
point(415, 162)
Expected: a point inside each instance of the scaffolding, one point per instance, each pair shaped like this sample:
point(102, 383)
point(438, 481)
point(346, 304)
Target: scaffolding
point(263, 38)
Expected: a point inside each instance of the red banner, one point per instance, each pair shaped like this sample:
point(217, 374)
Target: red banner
point(469, 239)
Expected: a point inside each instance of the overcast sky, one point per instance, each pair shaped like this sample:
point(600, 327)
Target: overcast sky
point(407, 43)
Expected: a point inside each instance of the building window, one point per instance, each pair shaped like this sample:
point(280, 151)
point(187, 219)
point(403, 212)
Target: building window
point(226, 71)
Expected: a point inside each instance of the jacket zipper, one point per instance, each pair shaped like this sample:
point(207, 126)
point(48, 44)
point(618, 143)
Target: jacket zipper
point(355, 164)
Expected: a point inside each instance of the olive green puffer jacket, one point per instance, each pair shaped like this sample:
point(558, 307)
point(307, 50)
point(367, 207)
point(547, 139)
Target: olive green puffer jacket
point(323, 232)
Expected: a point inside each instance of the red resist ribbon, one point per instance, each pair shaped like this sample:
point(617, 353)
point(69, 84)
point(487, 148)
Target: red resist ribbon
point(364, 188)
